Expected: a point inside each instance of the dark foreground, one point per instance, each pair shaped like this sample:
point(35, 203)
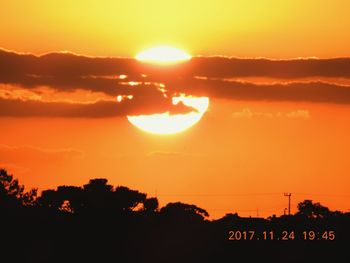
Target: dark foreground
point(100, 223)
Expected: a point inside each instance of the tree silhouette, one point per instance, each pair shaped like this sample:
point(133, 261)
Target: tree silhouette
point(96, 196)
point(103, 223)
point(71, 199)
point(127, 199)
point(98, 185)
point(183, 212)
point(12, 193)
point(150, 205)
point(49, 199)
point(312, 210)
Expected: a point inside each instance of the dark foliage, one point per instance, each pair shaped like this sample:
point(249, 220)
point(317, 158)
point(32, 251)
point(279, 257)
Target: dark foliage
point(102, 223)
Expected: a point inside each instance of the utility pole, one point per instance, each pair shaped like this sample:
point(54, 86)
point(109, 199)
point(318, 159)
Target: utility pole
point(288, 195)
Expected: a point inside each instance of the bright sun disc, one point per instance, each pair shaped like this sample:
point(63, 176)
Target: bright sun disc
point(163, 55)
point(165, 123)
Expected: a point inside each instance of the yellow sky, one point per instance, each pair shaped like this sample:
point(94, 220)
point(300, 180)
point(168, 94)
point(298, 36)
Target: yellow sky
point(277, 29)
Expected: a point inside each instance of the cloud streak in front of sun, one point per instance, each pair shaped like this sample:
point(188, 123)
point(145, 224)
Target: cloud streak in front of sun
point(33, 79)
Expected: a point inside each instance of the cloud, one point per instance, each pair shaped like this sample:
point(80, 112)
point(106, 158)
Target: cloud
point(298, 114)
point(323, 92)
point(17, 104)
point(20, 108)
point(28, 153)
point(226, 67)
point(201, 76)
point(28, 159)
point(244, 113)
point(247, 113)
point(14, 168)
point(68, 65)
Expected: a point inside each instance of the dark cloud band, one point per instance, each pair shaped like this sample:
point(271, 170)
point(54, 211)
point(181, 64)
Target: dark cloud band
point(69, 72)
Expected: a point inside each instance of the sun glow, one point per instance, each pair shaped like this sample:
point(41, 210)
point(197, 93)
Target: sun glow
point(163, 55)
point(166, 123)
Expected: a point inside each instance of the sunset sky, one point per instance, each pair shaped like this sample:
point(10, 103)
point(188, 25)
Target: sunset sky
point(274, 125)
point(276, 29)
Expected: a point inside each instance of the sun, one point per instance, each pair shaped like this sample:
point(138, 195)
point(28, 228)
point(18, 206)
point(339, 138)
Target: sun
point(166, 123)
point(163, 55)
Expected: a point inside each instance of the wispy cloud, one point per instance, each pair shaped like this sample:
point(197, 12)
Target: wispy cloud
point(9, 153)
point(248, 113)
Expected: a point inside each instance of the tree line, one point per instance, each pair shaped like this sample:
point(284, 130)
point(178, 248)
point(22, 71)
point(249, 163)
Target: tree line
point(100, 222)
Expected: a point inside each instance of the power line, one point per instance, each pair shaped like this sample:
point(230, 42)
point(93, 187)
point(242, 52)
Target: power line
point(255, 194)
point(329, 195)
point(224, 195)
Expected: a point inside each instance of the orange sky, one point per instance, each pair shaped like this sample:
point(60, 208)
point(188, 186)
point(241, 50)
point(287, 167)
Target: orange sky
point(240, 157)
point(277, 29)
point(227, 153)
